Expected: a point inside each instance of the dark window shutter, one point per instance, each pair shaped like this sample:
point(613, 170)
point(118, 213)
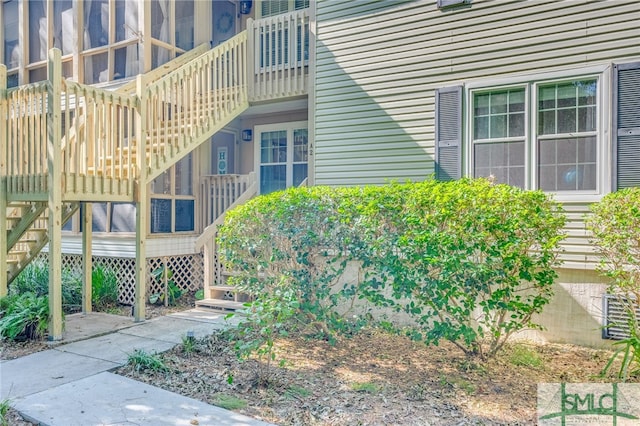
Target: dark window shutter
point(626, 120)
point(448, 133)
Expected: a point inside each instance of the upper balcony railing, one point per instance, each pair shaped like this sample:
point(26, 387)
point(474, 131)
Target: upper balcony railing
point(279, 47)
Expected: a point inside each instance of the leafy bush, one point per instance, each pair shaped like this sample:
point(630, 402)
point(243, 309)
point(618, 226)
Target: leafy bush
point(474, 261)
point(171, 294)
point(469, 261)
point(104, 288)
point(35, 279)
point(615, 224)
point(24, 316)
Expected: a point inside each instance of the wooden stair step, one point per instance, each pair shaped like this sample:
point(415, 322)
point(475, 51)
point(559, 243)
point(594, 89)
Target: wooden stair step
point(220, 305)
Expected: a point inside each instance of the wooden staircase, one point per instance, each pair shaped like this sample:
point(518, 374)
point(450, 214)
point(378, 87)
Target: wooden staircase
point(84, 144)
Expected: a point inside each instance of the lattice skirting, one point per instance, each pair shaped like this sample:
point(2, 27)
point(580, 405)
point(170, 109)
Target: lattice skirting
point(188, 272)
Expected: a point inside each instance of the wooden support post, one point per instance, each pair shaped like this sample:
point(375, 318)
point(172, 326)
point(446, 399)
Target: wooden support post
point(142, 205)
point(87, 261)
point(54, 163)
point(4, 248)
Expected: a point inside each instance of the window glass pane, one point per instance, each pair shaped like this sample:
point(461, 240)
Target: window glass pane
point(183, 176)
point(498, 125)
point(566, 95)
point(96, 68)
point(99, 217)
point(499, 115)
point(587, 92)
point(12, 80)
point(300, 145)
point(516, 100)
point(273, 148)
point(516, 125)
point(96, 23)
point(162, 184)
point(481, 128)
point(301, 4)
point(159, 56)
point(299, 173)
point(126, 62)
point(184, 24)
point(184, 215)
point(10, 32)
point(498, 103)
point(126, 19)
point(587, 119)
point(547, 97)
point(272, 178)
point(123, 217)
point(63, 27)
point(37, 31)
point(567, 164)
point(481, 105)
point(160, 215)
point(503, 162)
point(566, 120)
point(547, 122)
point(38, 74)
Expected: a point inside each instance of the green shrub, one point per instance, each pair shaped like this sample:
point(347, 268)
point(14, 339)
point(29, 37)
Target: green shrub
point(35, 279)
point(24, 316)
point(615, 225)
point(104, 288)
point(469, 261)
point(172, 292)
point(474, 261)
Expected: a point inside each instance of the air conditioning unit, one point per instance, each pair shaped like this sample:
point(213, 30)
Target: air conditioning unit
point(616, 326)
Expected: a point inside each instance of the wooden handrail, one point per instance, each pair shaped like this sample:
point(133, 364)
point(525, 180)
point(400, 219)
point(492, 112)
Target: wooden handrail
point(186, 105)
point(159, 72)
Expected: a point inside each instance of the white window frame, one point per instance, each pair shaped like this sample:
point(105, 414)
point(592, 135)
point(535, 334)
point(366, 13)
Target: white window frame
point(289, 127)
point(602, 74)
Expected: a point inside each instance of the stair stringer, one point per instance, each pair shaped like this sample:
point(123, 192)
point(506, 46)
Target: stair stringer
point(21, 259)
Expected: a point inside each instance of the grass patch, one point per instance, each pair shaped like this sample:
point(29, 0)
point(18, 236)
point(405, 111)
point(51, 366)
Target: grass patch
point(4, 409)
point(366, 387)
point(142, 361)
point(229, 402)
point(296, 392)
point(522, 356)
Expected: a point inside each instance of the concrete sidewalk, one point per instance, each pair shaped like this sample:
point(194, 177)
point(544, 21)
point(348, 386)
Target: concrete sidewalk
point(71, 383)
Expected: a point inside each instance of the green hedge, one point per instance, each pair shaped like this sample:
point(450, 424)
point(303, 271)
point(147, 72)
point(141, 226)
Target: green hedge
point(469, 261)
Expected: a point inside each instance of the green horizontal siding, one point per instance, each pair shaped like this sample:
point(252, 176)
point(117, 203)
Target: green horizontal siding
point(379, 62)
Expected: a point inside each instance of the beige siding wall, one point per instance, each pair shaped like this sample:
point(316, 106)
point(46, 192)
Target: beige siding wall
point(379, 62)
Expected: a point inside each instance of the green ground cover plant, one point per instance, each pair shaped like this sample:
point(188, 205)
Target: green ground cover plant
point(468, 261)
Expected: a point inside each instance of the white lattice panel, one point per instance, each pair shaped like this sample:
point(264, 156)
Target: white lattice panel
point(188, 272)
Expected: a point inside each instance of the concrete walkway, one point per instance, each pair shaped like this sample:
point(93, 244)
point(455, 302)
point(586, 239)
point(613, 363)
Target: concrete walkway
point(71, 383)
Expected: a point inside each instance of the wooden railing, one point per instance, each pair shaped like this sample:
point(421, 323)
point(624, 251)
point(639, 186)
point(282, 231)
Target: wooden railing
point(25, 153)
point(219, 192)
point(280, 55)
point(98, 139)
point(184, 106)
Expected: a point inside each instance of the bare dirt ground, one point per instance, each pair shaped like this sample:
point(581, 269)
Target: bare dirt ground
point(375, 379)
